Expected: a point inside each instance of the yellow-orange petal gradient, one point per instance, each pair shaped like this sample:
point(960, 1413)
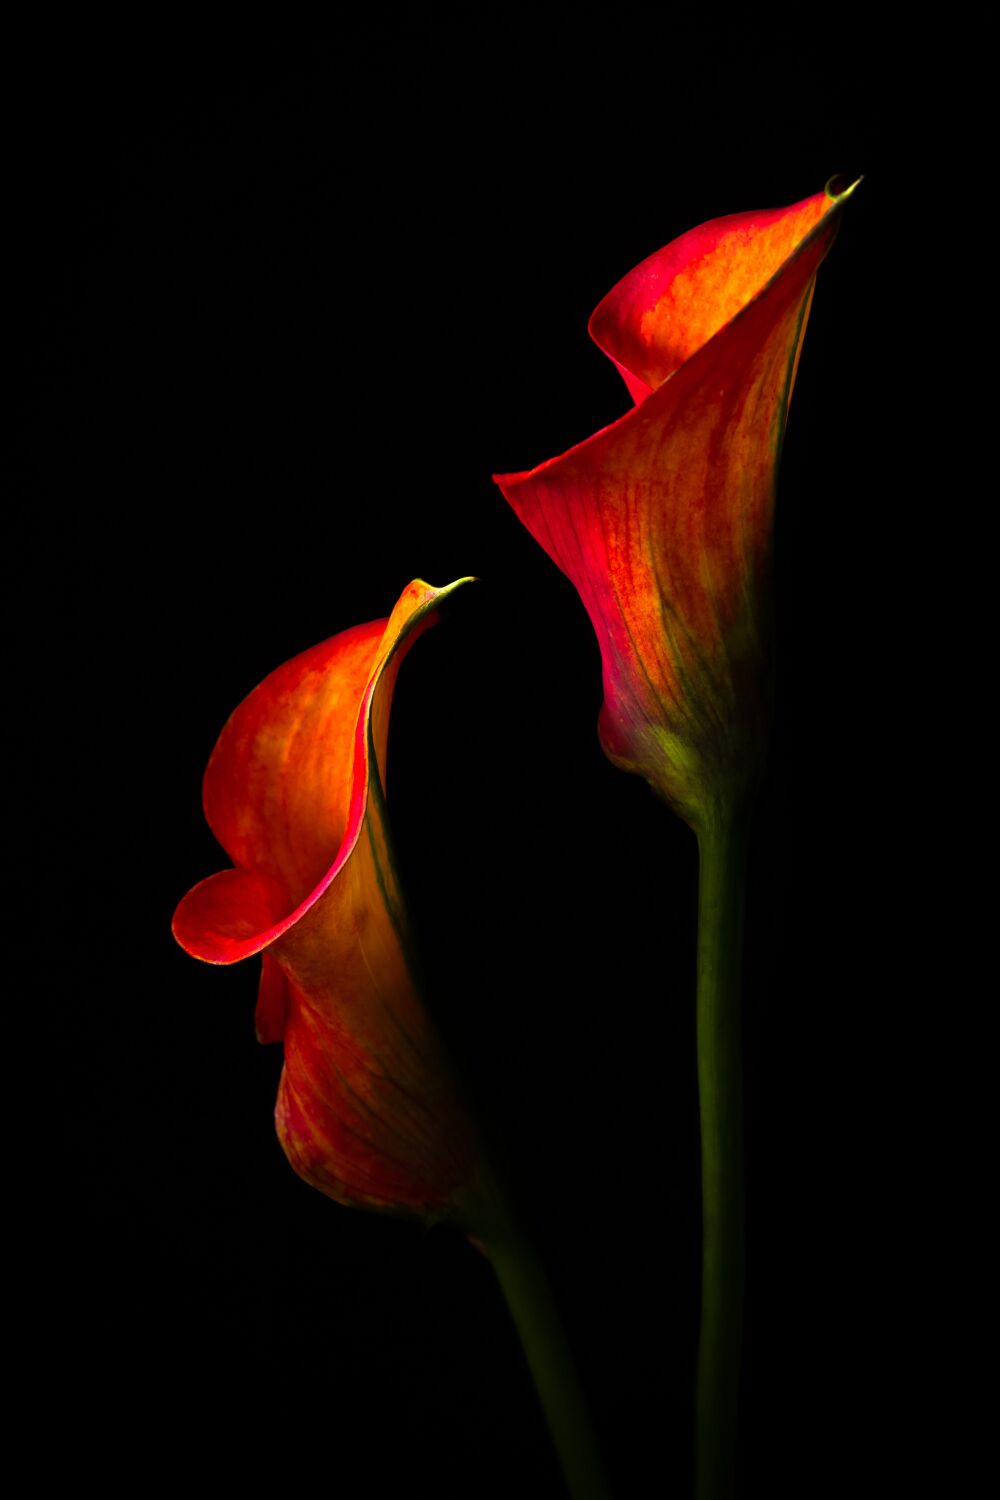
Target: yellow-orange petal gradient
point(663, 520)
point(295, 792)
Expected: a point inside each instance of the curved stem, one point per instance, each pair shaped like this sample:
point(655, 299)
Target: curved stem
point(722, 847)
point(529, 1297)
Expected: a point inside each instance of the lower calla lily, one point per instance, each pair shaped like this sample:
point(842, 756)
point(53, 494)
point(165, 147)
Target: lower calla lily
point(367, 1111)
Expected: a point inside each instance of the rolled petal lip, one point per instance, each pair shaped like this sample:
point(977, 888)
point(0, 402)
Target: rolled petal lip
point(662, 519)
point(822, 226)
point(192, 925)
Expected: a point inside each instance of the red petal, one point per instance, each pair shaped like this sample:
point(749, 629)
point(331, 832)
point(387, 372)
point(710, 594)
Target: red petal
point(366, 1110)
point(278, 786)
point(230, 916)
point(663, 520)
point(671, 304)
point(287, 783)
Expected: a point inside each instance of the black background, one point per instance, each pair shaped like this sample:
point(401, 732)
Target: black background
point(289, 302)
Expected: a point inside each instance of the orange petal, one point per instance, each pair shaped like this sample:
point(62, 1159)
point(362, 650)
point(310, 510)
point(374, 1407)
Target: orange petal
point(278, 785)
point(230, 915)
point(295, 790)
point(663, 520)
point(677, 299)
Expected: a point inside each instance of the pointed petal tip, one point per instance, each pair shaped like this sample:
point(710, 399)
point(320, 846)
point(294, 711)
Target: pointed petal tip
point(450, 588)
point(840, 186)
point(435, 595)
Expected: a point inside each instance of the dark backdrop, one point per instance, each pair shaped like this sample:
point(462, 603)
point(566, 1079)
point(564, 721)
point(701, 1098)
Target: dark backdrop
point(289, 301)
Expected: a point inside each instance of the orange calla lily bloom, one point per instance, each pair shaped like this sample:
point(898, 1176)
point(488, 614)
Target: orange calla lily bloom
point(295, 793)
point(663, 520)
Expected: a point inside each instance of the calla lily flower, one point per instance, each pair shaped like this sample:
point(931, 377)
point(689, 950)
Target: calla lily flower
point(663, 520)
point(295, 794)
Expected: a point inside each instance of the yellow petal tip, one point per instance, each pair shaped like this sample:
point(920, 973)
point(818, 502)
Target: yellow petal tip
point(839, 188)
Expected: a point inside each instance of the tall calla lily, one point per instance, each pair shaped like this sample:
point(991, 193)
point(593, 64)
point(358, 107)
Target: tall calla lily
point(663, 520)
point(295, 794)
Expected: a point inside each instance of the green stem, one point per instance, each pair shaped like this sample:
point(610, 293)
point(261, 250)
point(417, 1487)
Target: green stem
point(722, 847)
point(529, 1297)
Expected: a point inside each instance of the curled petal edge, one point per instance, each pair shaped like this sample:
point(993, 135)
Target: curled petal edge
point(825, 226)
point(669, 306)
point(673, 594)
point(237, 913)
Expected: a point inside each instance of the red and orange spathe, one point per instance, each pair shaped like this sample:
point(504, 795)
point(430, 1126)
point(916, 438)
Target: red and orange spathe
point(295, 793)
point(663, 520)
